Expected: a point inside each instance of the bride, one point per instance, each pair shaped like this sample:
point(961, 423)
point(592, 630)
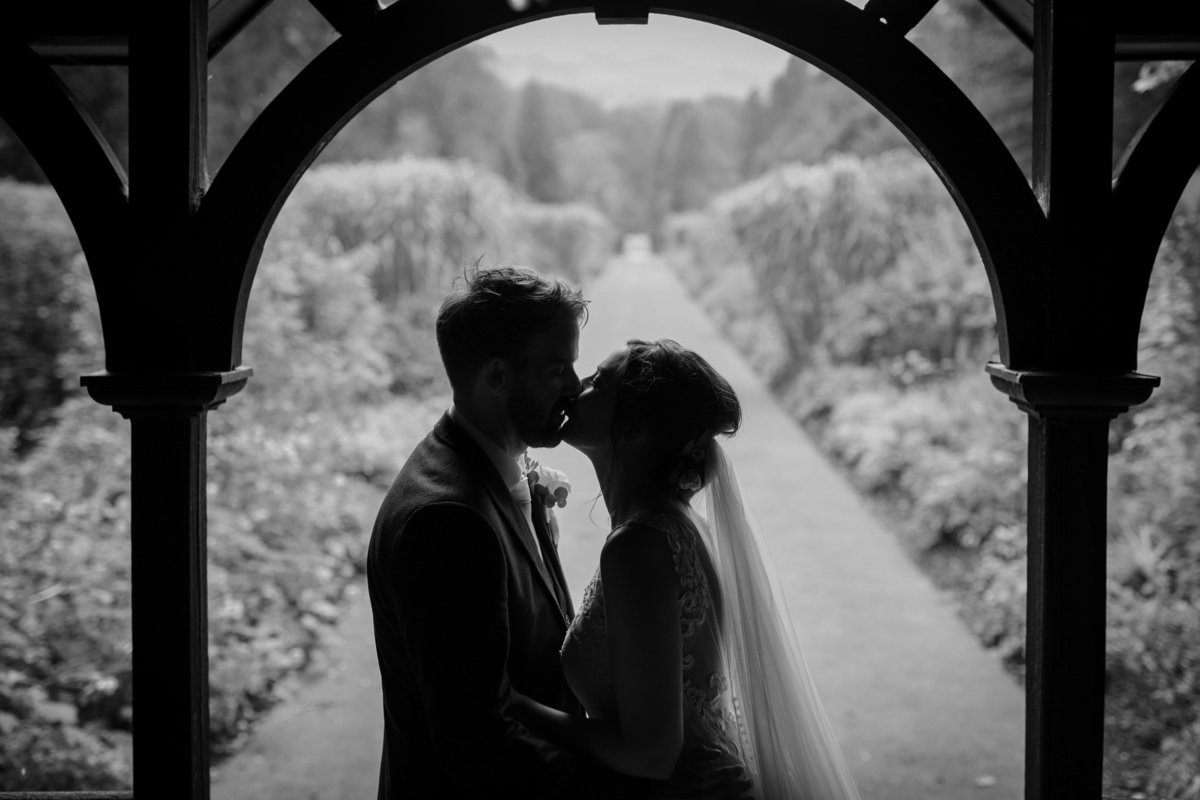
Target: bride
point(681, 651)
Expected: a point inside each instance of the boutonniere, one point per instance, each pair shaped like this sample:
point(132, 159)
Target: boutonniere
point(549, 487)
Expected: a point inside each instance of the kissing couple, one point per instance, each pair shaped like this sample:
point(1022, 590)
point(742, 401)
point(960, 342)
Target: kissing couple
point(680, 675)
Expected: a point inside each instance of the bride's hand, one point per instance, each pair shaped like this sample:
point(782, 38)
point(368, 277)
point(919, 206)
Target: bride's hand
point(543, 721)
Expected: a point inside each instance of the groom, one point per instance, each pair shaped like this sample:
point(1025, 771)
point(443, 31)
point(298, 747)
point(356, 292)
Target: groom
point(467, 592)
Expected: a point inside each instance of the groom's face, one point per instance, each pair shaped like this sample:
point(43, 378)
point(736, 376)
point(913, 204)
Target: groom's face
point(545, 383)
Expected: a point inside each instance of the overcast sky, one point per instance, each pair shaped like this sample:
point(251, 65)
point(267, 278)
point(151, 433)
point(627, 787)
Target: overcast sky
point(623, 64)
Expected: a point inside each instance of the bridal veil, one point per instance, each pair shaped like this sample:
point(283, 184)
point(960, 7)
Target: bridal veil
point(785, 736)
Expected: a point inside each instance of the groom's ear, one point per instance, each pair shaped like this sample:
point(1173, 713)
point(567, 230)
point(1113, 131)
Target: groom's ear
point(497, 375)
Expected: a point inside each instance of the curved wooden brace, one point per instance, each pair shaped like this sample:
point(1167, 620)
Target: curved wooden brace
point(891, 73)
point(81, 167)
point(1151, 176)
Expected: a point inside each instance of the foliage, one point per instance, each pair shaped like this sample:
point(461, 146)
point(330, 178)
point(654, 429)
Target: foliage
point(809, 116)
point(64, 596)
point(449, 109)
point(890, 303)
point(408, 228)
point(424, 218)
point(39, 295)
point(571, 240)
point(1153, 663)
point(535, 148)
point(849, 260)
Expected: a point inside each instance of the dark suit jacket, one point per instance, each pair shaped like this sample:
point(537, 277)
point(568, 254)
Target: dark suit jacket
point(464, 611)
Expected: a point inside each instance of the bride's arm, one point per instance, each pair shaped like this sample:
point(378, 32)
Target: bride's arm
point(641, 598)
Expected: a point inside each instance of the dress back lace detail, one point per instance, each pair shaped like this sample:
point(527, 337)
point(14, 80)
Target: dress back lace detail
point(709, 732)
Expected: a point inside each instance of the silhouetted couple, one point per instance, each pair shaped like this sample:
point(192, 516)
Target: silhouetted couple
point(679, 676)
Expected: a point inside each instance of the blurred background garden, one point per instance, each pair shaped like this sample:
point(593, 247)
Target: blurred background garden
point(803, 221)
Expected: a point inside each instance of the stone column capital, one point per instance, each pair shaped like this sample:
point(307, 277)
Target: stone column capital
point(164, 392)
point(1062, 394)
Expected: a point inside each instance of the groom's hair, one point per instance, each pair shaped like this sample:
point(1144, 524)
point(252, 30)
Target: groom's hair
point(494, 312)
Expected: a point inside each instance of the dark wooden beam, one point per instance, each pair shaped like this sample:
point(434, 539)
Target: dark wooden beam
point(622, 12)
point(1157, 47)
point(1065, 609)
point(1150, 178)
point(167, 84)
point(1157, 18)
point(900, 16)
point(85, 173)
point(81, 34)
point(1150, 30)
point(1072, 177)
point(346, 15)
point(1067, 585)
point(82, 49)
point(66, 795)
point(73, 31)
point(227, 19)
point(1068, 441)
point(72, 18)
point(168, 79)
point(168, 415)
point(1158, 31)
point(1016, 15)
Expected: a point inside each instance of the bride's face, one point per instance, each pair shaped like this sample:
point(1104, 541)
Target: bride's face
point(589, 427)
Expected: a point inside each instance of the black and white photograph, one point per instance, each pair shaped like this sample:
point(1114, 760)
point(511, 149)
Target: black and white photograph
point(698, 400)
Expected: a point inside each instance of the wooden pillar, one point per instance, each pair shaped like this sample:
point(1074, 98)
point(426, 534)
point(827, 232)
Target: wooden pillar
point(167, 401)
point(1067, 530)
point(170, 616)
point(168, 79)
point(1072, 177)
point(1085, 383)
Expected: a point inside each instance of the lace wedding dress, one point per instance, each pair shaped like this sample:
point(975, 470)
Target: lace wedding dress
point(710, 755)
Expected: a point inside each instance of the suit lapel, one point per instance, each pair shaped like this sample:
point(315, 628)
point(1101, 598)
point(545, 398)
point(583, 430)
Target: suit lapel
point(461, 441)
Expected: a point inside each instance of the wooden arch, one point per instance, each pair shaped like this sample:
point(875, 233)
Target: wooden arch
point(871, 57)
point(79, 163)
point(1151, 176)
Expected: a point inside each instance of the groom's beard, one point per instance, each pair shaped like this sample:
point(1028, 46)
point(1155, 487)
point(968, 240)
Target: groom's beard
point(537, 427)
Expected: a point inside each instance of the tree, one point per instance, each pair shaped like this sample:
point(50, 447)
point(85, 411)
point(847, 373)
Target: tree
point(682, 161)
point(255, 66)
point(535, 146)
point(452, 108)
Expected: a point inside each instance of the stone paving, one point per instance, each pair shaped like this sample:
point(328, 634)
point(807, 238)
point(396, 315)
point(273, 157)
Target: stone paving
point(922, 712)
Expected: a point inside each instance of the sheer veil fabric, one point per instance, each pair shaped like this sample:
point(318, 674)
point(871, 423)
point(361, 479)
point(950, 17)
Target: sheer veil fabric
point(785, 736)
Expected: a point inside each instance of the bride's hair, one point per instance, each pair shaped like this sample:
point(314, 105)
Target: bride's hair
point(678, 399)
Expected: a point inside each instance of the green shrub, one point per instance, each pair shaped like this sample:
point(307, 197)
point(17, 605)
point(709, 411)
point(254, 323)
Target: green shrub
point(39, 296)
point(48, 756)
point(64, 596)
point(571, 240)
point(425, 220)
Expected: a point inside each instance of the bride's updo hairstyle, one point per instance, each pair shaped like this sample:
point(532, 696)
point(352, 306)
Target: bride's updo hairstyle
point(680, 402)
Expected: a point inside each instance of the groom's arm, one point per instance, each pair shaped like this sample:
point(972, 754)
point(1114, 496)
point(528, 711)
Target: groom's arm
point(452, 594)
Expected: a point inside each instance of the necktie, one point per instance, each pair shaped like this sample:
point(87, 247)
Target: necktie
point(524, 499)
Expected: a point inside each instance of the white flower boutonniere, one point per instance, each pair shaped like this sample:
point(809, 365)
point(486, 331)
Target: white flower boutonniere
point(548, 486)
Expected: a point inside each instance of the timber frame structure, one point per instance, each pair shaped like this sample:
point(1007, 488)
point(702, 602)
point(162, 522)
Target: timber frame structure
point(173, 257)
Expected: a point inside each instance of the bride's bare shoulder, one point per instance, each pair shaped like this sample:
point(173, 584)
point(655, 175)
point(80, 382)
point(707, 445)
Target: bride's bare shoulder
point(638, 548)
